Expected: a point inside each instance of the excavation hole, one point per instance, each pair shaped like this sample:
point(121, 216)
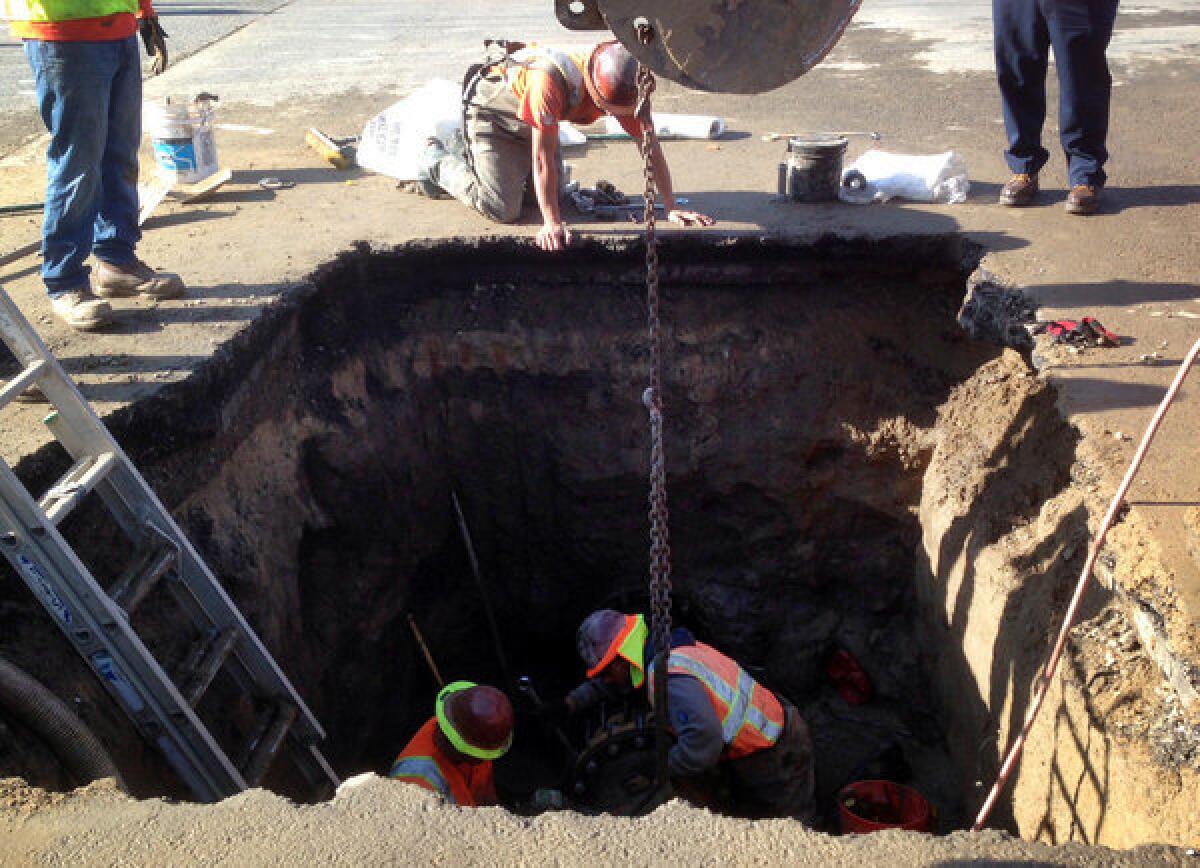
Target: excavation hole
point(314, 462)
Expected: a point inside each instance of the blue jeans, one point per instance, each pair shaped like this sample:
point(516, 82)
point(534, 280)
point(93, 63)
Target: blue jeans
point(1079, 31)
point(90, 98)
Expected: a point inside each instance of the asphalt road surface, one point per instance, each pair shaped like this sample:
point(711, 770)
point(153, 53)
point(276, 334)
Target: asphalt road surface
point(312, 47)
point(192, 25)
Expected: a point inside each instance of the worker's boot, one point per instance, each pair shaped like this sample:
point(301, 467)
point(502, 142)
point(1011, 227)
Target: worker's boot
point(80, 309)
point(1020, 190)
point(136, 278)
point(1083, 199)
point(427, 169)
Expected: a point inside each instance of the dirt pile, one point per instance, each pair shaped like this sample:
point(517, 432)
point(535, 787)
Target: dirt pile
point(378, 822)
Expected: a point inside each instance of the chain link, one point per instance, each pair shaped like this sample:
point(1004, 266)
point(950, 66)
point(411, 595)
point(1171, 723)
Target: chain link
point(660, 541)
point(660, 544)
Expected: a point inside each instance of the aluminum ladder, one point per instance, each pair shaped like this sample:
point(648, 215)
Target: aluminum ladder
point(97, 621)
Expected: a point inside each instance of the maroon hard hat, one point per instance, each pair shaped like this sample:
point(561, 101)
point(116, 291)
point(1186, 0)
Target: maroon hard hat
point(611, 78)
point(477, 720)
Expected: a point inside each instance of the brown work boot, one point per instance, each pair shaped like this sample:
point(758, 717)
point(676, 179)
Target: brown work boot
point(137, 278)
point(1020, 190)
point(1083, 199)
point(80, 309)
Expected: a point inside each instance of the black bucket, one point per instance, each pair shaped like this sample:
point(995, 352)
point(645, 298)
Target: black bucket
point(813, 171)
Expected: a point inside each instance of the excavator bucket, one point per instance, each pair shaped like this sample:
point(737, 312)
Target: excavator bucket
point(726, 46)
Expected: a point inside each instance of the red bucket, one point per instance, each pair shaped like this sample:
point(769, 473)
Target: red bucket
point(870, 806)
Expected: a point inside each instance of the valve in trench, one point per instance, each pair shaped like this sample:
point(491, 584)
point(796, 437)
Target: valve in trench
point(614, 773)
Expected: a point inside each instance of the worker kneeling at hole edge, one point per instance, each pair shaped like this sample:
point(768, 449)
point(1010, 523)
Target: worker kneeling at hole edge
point(452, 753)
point(718, 713)
point(511, 111)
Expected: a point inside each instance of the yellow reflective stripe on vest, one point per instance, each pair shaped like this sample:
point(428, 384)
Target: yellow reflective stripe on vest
point(46, 11)
point(731, 725)
point(423, 768)
point(739, 710)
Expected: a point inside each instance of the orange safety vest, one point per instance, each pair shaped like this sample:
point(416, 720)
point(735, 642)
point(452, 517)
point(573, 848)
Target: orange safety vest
point(751, 716)
point(75, 20)
point(469, 785)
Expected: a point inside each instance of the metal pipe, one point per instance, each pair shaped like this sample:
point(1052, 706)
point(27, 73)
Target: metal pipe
point(1047, 676)
point(487, 604)
point(416, 631)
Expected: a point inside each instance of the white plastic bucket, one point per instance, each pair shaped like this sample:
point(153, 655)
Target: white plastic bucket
point(182, 137)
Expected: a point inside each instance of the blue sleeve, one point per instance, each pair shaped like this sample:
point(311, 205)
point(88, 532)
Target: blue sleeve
point(697, 728)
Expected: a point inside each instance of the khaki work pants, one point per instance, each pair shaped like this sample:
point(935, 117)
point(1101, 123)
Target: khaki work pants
point(779, 781)
point(492, 179)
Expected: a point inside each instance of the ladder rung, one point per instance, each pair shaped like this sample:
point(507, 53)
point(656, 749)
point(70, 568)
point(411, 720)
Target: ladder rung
point(140, 578)
point(268, 743)
point(209, 665)
point(75, 485)
point(21, 382)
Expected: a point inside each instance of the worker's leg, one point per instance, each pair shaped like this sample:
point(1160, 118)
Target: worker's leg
point(491, 179)
point(780, 782)
point(1022, 48)
point(1081, 31)
point(116, 230)
point(74, 83)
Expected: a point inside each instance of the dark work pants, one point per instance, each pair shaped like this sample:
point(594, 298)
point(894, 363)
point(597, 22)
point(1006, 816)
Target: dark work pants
point(1079, 31)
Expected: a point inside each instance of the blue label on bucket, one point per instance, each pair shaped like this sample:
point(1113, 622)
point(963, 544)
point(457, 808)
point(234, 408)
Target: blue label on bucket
point(175, 155)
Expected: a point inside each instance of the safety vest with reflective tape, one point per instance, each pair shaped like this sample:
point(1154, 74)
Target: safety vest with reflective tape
point(46, 11)
point(751, 716)
point(569, 65)
point(75, 20)
point(422, 763)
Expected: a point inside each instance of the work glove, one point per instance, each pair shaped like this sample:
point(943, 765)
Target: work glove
point(155, 40)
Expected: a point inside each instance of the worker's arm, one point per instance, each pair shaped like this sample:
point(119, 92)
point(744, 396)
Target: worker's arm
point(588, 695)
point(666, 191)
point(153, 35)
point(554, 234)
point(698, 741)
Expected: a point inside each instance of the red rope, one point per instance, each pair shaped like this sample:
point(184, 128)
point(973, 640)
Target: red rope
point(1047, 676)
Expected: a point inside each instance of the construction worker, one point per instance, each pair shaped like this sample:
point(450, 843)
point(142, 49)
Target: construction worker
point(512, 109)
point(1079, 31)
point(88, 77)
point(452, 753)
point(718, 713)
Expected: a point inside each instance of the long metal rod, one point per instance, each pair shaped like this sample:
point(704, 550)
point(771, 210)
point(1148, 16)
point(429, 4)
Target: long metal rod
point(1047, 676)
point(483, 595)
point(433, 667)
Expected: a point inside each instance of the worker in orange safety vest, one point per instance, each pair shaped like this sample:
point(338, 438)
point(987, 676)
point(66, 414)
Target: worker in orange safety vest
point(513, 105)
point(718, 713)
point(452, 753)
point(87, 77)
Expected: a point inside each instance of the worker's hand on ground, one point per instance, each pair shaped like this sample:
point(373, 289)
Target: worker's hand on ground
point(553, 236)
point(689, 218)
point(155, 40)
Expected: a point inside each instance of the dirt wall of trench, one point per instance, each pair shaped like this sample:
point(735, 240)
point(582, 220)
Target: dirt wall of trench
point(1006, 512)
point(975, 487)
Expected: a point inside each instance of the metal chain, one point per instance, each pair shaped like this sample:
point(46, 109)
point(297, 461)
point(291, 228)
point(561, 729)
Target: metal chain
point(660, 538)
point(660, 543)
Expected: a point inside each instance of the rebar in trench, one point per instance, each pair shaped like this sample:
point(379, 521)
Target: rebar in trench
point(487, 603)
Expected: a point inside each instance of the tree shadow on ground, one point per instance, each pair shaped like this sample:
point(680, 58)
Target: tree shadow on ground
point(1114, 293)
point(1118, 199)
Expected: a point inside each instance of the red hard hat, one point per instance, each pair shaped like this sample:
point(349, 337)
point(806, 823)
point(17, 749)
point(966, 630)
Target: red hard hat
point(611, 78)
point(483, 717)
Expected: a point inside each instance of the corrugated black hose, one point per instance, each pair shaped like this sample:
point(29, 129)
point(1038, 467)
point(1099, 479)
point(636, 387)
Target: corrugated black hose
point(28, 701)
